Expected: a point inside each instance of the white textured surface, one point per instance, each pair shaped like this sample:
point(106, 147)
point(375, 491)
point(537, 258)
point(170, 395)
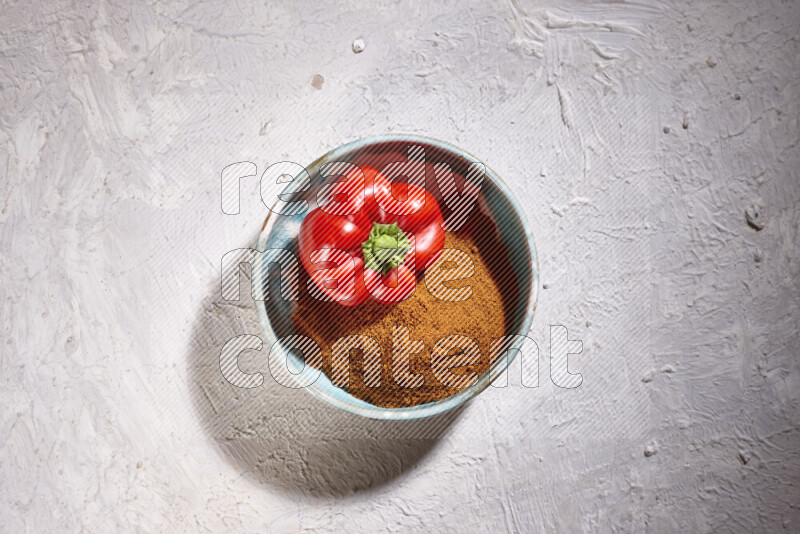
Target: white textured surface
point(636, 137)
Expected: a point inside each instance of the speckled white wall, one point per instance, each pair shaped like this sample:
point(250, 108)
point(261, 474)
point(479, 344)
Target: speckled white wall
point(635, 135)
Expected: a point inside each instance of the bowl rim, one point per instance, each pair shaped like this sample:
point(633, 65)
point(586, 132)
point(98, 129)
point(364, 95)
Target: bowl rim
point(429, 409)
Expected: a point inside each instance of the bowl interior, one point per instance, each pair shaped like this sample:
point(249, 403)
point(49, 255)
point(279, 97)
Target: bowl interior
point(496, 211)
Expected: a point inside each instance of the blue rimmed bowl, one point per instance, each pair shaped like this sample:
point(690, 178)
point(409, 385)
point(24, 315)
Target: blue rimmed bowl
point(281, 231)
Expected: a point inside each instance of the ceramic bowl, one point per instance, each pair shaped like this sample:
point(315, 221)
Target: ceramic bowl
point(280, 232)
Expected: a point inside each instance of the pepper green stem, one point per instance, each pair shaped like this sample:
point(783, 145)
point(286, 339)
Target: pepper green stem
point(385, 248)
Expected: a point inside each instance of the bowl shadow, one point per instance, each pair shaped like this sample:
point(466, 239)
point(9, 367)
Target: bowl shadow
point(285, 438)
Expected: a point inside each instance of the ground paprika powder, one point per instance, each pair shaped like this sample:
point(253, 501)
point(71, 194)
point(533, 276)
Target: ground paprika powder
point(483, 317)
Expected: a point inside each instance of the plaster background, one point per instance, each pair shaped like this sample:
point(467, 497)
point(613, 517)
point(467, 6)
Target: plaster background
point(635, 134)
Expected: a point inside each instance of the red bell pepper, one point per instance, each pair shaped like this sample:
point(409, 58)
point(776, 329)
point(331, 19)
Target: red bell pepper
point(367, 242)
